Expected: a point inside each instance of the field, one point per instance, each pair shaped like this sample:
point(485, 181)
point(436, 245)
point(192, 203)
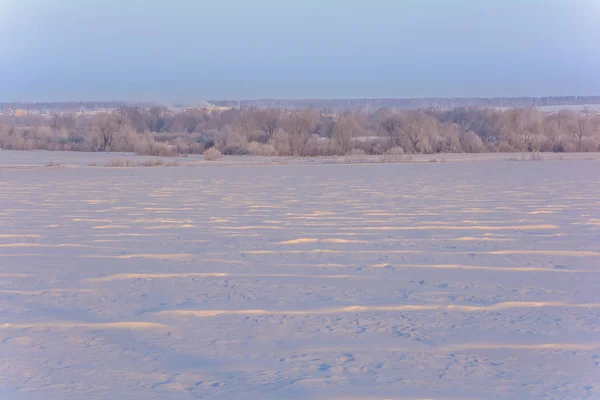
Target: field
point(467, 279)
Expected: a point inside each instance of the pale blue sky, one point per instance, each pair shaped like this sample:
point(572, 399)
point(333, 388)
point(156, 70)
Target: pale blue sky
point(190, 50)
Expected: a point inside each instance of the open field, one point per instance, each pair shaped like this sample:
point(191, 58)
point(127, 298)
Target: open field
point(42, 158)
point(475, 278)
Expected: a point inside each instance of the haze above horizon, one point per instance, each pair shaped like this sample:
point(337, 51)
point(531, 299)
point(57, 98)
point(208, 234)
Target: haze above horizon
point(232, 49)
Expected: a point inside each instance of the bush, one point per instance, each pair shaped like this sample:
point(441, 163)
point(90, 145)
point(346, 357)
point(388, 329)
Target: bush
point(589, 144)
point(121, 163)
point(355, 156)
point(212, 154)
point(558, 147)
point(260, 149)
point(280, 141)
point(205, 141)
point(369, 146)
point(236, 151)
point(151, 163)
point(161, 150)
point(396, 155)
point(505, 147)
point(536, 156)
point(471, 142)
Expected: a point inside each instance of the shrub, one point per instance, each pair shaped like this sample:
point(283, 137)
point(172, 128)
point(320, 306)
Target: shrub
point(471, 142)
point(396, 155)
point(355, 156)
point(369, 146)
point(589, 144)
point(260, 149)
point(536, 156)
point(212, 154)
point(558, 147)
point(161, 150)
point(121, 163)
point(281, 142)
point(151, 163)
point(505, 147)
point(236, 151)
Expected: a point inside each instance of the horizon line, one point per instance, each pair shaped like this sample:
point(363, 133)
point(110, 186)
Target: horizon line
point(208, 100)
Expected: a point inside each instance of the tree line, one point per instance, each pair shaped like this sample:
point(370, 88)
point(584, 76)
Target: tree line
point(412, 103)
point(305, 132)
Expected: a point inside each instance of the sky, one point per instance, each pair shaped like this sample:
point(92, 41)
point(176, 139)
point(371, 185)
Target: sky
point(192, 50)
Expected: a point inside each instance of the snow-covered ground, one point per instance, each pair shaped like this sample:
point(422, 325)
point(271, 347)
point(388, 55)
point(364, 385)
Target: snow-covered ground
point(42, 158)
point(453, 280)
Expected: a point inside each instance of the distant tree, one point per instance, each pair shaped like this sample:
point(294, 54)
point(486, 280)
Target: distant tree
point(156, 118)
point(268, 121)
point(325, 126)
point(583, 129)
point(150, 129)
point(471, 142)
point(300, 126)
point(512, 129)
point(393, 126)
point(246, 124)
point(448, 140)
point(184, 122)
point(417, 130)
point(62, 122)
point(137, 115)
point(552, 131)
point(345, 130)
point(533, 129)
point(227, 117)
point(106, 126)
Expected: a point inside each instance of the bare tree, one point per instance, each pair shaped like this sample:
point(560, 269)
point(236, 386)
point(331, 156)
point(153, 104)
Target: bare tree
point(552, 132)
point(471, 142)
point(448, 140)
point(60, 122)
point(268, 121)
point(418, 129)
point(247, 125)
point(304, 132)
point(156, 118)
point(137, 115)
point(345, 130)
point(393, 126)
point(583, 129)
point(106, 126)
point(300, 126)
point(513, 128)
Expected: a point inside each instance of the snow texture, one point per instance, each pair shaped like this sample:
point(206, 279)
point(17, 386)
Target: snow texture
point(456, 280)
